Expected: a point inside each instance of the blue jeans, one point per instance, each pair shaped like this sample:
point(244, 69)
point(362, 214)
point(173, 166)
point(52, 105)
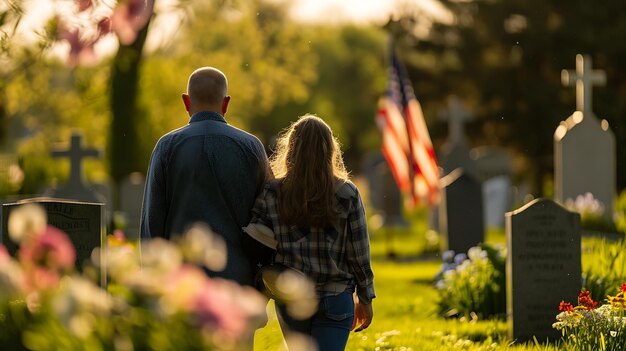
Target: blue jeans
point(329, 327)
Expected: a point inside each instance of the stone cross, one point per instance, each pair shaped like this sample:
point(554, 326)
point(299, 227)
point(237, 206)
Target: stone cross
point(584, 78)
point(76, 153)
point(456, 114)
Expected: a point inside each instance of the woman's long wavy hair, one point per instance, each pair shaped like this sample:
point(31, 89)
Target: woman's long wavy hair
point(308, 162)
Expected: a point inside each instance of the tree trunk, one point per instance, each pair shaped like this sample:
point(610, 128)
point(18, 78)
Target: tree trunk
point(124, 149)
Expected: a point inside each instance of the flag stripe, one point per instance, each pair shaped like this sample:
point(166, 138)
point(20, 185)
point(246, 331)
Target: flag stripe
point(406, 143)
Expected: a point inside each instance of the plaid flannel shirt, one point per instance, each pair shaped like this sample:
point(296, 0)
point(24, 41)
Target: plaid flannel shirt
point(336, 258)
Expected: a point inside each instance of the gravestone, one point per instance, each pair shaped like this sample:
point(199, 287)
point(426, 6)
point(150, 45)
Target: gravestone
point(542, 267)
point(497, 200)
point(455, 151)
point(386, 198)
point(131, 197)
point(490, 162)
point(76, 188)
point(493, 167)
point(584, 147)
point(461, 221)
point(83, 223)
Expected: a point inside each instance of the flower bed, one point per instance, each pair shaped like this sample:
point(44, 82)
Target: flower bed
point(166, 303)
point(589, 327)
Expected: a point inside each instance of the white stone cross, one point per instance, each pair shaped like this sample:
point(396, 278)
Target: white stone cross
point(584, 78)
point(456, 114)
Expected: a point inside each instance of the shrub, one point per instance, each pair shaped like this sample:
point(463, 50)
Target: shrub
point(476, 287)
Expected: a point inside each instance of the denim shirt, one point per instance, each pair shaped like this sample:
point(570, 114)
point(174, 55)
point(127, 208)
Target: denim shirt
point(210, 172)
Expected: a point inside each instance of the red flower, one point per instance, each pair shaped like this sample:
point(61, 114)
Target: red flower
point(565, 306)
point(586, 301)
point(623, 288)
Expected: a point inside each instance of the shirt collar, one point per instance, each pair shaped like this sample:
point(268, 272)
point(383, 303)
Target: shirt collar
point(206, 115)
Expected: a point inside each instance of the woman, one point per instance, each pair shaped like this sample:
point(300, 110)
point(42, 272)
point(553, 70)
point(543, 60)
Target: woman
point(318, 221)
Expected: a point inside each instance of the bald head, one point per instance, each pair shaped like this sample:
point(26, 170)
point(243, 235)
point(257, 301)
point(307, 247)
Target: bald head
point(207, 90)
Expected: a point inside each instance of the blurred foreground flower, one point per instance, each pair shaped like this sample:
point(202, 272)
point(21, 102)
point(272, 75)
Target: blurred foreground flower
point(45, 258)
point(26, 221)
point(164, 301)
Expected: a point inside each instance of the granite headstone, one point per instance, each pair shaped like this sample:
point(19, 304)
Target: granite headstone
point(461, 221)
point(543, 267)
point(83, 223)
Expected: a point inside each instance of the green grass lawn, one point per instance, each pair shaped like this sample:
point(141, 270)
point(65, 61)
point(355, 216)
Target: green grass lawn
point(405, 308)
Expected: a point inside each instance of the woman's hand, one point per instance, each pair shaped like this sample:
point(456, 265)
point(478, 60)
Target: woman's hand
point(363, 315)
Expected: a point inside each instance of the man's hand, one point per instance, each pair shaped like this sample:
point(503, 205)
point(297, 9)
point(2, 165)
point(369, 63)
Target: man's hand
point(363, 315)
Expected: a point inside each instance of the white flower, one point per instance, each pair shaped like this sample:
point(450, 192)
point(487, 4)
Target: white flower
point(160, 256)
point(476, 253)
point(26, 221)
point(79, 303)
point(200, 245)
point(121, 261)
point(613, 333)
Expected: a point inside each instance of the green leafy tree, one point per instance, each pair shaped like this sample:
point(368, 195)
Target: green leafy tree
point(267, 58)
point(351, 77)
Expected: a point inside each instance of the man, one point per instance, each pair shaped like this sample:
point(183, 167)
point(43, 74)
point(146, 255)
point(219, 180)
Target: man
point(206, 171)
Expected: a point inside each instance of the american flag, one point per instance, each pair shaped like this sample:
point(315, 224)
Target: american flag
point(406, 143)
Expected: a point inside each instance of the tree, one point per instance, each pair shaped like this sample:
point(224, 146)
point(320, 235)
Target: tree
point(124, 147)
point(266, 57)
point(351, 77)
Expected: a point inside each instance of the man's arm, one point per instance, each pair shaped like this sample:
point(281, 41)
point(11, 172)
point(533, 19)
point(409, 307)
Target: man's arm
point(154, 208)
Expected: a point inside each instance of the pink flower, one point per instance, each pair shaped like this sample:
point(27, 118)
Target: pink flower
point(183, 286)
point(4, 254)
point(52, 249)
point(45, 257)
point(129, 17)
point(81, 49)
point(228, 308)
point(83, 4)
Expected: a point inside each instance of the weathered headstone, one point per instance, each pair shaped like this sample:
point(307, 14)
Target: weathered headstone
point(490, 162)
point(131, 197)
point(543, 267)
point(83, 223)
point(76, 187)
point(497, 200)
point(493, 167)
point(584, 147)
point(455, 151)
point(460, 212)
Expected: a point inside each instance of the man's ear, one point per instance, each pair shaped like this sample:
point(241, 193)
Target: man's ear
point(225, 104)
point(187, 102)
